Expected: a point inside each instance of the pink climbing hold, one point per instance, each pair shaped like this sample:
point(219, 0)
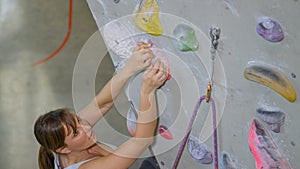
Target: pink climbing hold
point(263, 148)
point(162, 55)
point(165, 132)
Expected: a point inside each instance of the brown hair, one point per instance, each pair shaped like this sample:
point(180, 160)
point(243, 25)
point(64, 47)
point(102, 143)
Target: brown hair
point(50, 133)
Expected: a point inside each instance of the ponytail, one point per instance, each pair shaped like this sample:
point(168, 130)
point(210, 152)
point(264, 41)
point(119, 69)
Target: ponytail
point(46, 158)
point(49, 131)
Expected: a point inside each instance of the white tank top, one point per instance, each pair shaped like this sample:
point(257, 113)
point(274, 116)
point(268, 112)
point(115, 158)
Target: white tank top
point(73, 166)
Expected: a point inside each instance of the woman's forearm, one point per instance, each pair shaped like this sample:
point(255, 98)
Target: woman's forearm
point(105, 99)
point(113, 88)
point(127, 153)
point(147, 118)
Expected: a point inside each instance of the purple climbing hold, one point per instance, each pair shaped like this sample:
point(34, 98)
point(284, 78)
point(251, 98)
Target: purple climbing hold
point(227, 162)
point(199, 151)
point(269, 29)
point(273, 117)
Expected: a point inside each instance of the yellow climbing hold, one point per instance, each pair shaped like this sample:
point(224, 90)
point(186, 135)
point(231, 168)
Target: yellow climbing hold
point(146, 17)
point(271, 77)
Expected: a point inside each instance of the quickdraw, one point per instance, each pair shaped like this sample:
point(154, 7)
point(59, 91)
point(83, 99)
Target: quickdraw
point(214, 34)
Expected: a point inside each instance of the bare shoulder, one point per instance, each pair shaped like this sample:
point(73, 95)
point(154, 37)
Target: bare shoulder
point(111, 161)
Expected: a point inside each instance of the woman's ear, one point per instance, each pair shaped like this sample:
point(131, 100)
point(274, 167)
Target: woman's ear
point(63, 150)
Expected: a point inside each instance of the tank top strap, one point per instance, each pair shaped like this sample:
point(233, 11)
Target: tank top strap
point(73, 166)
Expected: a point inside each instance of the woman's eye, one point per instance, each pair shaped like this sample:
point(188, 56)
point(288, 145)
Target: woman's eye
point(75, 133)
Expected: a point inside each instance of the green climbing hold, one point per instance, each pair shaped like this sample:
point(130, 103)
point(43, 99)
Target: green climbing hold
point(185, 38)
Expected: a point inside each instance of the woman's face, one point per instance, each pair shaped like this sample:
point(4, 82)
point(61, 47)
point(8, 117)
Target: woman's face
point(81, 139)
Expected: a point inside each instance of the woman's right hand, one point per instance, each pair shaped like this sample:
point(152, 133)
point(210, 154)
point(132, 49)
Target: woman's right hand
point(154, 77)
point(140, 58)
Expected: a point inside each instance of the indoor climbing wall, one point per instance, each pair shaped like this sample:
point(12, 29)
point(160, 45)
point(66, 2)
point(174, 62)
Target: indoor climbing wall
point(230, 100)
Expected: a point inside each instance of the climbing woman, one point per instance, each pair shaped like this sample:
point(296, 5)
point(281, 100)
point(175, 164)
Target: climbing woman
point(67, 140)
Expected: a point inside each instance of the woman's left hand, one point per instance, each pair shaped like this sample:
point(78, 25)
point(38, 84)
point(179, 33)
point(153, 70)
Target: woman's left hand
point(140, 59)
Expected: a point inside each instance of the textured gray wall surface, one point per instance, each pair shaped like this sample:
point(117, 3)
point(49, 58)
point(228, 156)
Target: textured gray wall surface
point(237, 99)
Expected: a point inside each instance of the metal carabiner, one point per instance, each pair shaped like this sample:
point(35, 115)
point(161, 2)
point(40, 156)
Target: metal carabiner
point(214, 33)
point(208, 92)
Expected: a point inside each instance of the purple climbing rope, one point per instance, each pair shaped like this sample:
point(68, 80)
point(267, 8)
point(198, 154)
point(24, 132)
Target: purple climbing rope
point(215, 135)
point(189, 129)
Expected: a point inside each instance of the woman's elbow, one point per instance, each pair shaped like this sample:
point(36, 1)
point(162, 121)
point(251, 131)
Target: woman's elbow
point(150, 141)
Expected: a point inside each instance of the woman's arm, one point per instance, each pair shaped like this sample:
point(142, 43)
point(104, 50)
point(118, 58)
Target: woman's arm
point(125, 155)
point(140, 59)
